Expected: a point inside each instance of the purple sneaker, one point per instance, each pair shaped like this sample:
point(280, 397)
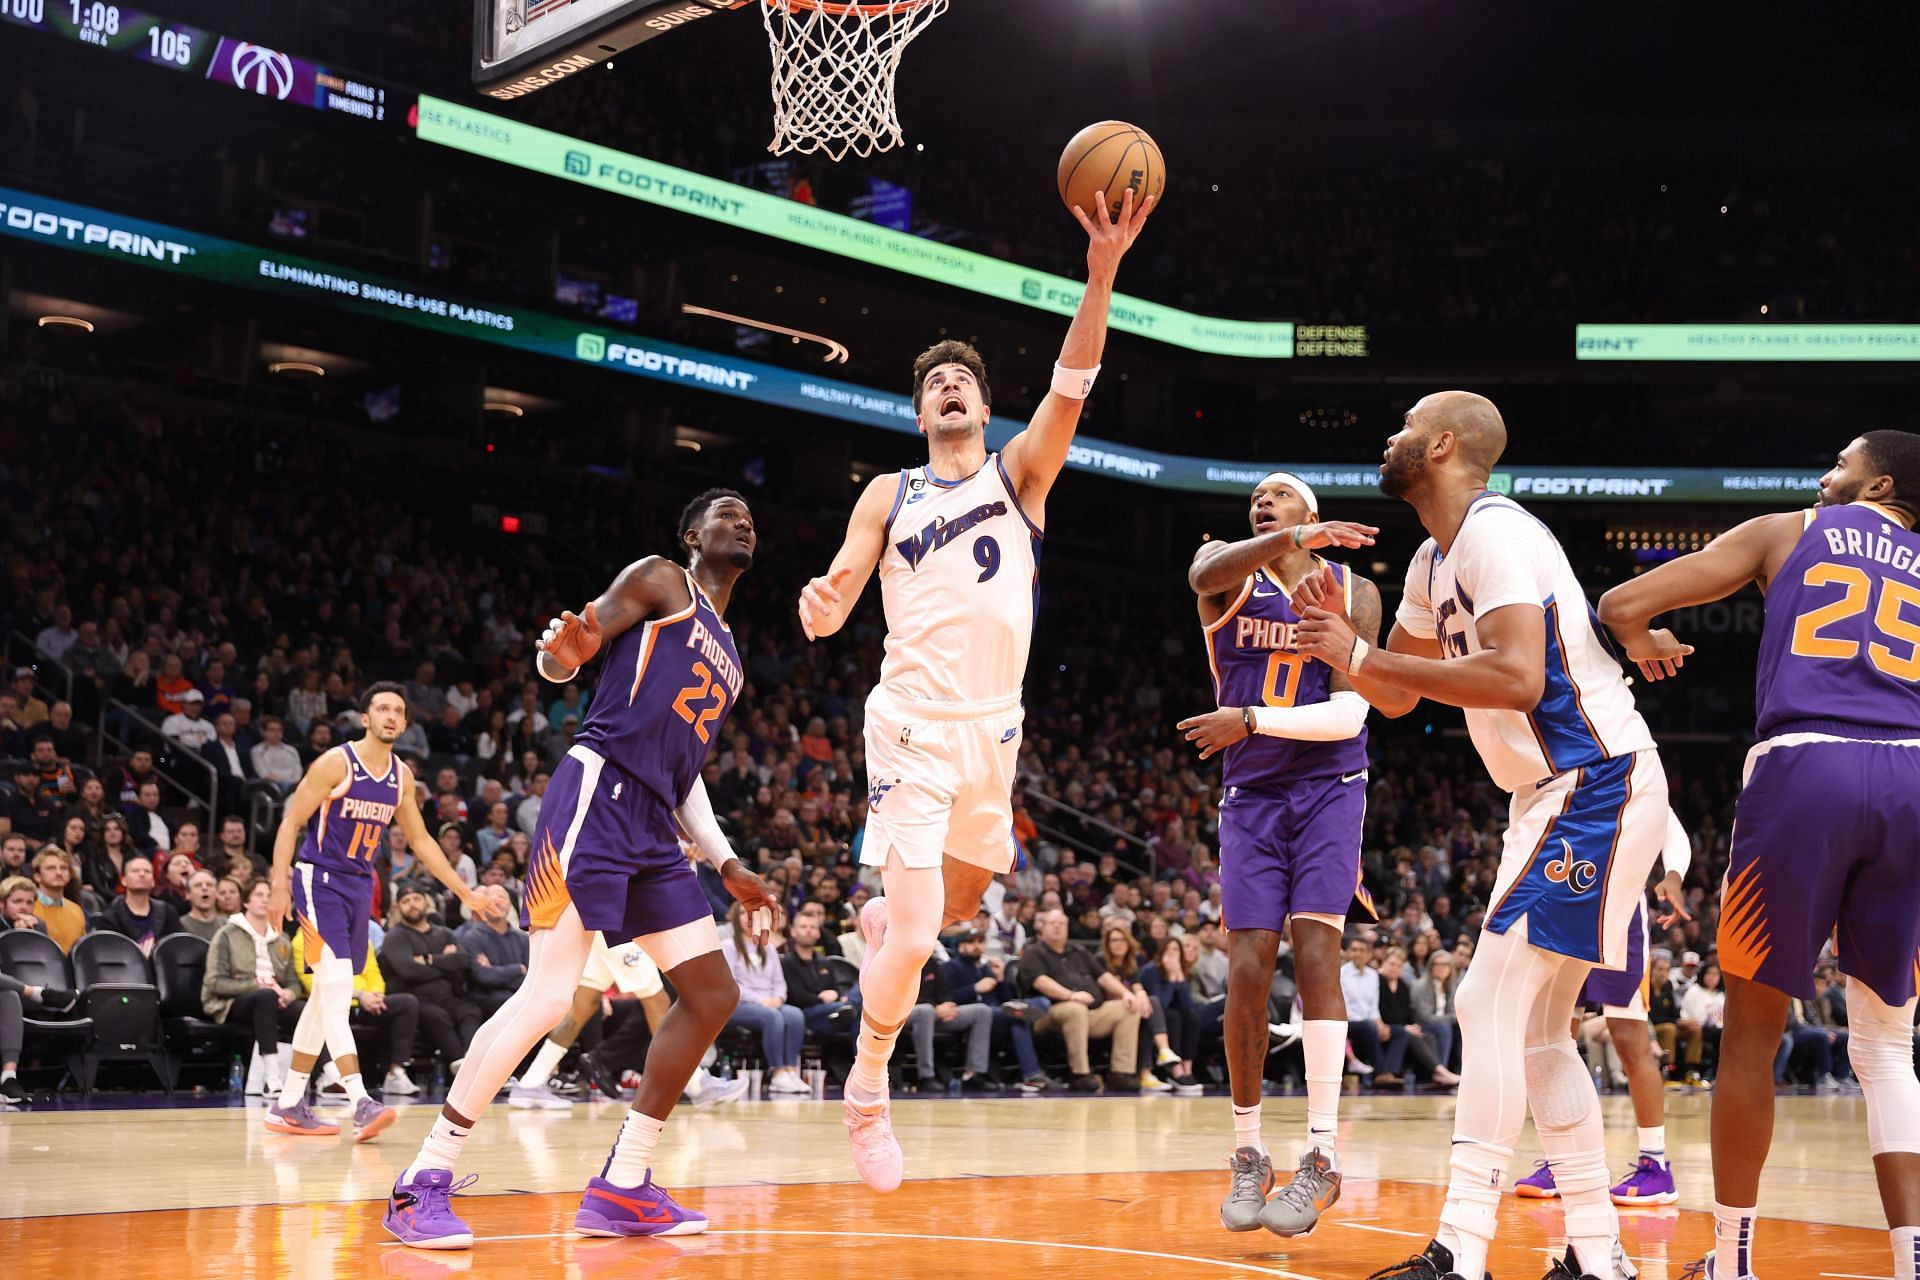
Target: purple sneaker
point(1651, 1182)
point(370, 1117)
point(419, 1215)
point(1537, 1185)
point(299, 1121)
point(645, 1210)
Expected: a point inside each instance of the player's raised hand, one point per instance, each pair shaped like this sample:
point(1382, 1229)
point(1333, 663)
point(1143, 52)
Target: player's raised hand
point(1328, 637)
point(482, 906)
point(1321, 590)
point(818, 598)
point(1670, 892)
point(1214, 731)
point(1108, 242)
point(1334, 533)
point(760, 905)
point(572, 638)
point(1658, 654)
point(279, 903)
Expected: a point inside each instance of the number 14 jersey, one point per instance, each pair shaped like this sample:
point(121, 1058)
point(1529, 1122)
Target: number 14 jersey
point(960, 584)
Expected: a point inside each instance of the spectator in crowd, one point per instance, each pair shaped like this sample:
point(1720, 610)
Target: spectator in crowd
point(307, 705)
point(1407, 1036)
point(1088, 1004)
point(937, 1010)
point(453, 843)
point(68, 739)
point(273, 759)
point(138, 770)
point(17, 896)
point(175, 873)
point(1663, 1008)
point(1120, 956)
point(1433, 1009)
point(232, 848)
point(91, 808)
point(13, 735)
point(148, 828)
point(763, 1007)
point(812, 987)
point(1360, 986)
point(48, 787)
point(65, 921)
point(1702, 1014)
point(527, 818)
point(189, 727)
point(500, 950)
point(974, 977)
point(136, 912)
point(251, 981)
point(57, 636)
point(202, 919)
point(30, 710)
point(231, 764)
point(16, 999)
point(1006, 936)
point(13, 855)
point(496, 833)
point(75, 843)
point(137, 688)
point(320, 740)
point(228, 897)
point(186, 838)
point(1687, 973)
point(421, 958)
point(1164, 977)
point(385, 1025)
point(1208, 972)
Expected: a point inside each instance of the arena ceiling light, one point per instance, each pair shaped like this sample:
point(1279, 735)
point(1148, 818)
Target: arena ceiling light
point(514, 404)
point(504, 407)
point(291, 368)
point(66, 322)
point(837, 352)
point(48, 311)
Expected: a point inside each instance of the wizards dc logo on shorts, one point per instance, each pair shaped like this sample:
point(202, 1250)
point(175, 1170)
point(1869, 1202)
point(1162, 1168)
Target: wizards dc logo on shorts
point(1578, 876)
point(878, 792)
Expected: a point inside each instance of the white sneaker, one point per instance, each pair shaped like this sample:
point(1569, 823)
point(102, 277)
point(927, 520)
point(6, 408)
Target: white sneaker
point(788, 1082)
point(537, 1097)
point(876, 1153)
point(718, 1091)
point(399, 1084)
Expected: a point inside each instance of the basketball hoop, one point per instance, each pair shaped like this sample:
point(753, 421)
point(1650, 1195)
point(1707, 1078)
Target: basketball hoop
point(833, 72)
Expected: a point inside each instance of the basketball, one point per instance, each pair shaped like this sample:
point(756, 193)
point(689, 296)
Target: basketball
point(1111, 156)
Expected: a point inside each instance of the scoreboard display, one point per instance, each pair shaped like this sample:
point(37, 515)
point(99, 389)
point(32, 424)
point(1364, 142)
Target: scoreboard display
point(178, 46)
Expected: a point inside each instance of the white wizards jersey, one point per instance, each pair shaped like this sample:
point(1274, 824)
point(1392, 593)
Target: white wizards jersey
point(1502, 556)
point(960, 582)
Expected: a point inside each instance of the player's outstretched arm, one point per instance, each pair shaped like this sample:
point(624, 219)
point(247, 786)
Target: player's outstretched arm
point(571, 640)
point(1322, 591)
point(826, 601)
point(1750, 552)
point(425, 848)
point(325, 774)
point(1035, 456)
point(1219, 566)
point(1508, 673)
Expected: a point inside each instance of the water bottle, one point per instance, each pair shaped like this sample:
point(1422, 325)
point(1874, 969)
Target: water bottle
point(439, 1078)
point(953, 1085)
point(236, 1076)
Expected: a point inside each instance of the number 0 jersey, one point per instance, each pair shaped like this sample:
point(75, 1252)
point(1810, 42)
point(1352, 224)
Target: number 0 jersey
point(960, 583)
point(1841, 645)
point(665, 690)
point(349, 829)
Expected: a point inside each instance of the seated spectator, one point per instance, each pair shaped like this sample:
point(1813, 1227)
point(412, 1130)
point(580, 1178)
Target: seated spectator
point(1120, 956)
point(1208, 973)
point(448, 736)
point(65, 921)
point(422, 959)
point(136, 912)
point(1433, 1007)
point(92, 807)
point(1006, 936)
point(48, 785)
point(1663, 1009)
point(393, 1019)
point(1407, 1038)
point(16, 999)
point(811, 986)
point(1165, 979)
point(763, 1007)
point(231, 763)
point(500, 950)
point(177, 872)
point(31, 711)
point(453, 843)
point(251, 981)
point(148, 828)
point(527, 816)
point(307, 705)
point(17, 896)
point(1360, 985)
point(273, 758)
point(203, 918)
point(228, 898)
point(1088, 1004)
point(1702, 1013)
point(69, 741)
point(138, 769)
point(13, 855)
point(57, 636)
point(974, 977)
point(188, 727)
point(496, 833)
point(231, 849)
point(13, 734)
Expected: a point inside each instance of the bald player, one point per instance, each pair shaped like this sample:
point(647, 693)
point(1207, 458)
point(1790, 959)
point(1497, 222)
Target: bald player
point(1294, 734)
point(1493, 621)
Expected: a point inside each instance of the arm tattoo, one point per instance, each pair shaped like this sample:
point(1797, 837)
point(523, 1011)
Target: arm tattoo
point(1366, 624)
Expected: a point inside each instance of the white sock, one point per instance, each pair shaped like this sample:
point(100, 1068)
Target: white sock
point(293, 1090)
point(441, 1150)
point(1246, 1128)
point(1732, 1242)
point(1468, 1220)
point(633, 1150)
point(1653, 1142)
point(1906, 1253)
point(870, 1054)
point(545, 1063)
point(1323, 1044)
point(356, 1088)
point(7, 1073)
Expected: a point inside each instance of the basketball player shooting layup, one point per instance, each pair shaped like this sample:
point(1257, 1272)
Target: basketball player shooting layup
point(607, 858)
point(1295, 737)
point(1494, 621)
point(1824, 830)
point(957, 543)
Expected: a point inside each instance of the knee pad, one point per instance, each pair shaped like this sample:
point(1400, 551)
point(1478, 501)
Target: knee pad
point(1880, 1046)
point(1558, 1088)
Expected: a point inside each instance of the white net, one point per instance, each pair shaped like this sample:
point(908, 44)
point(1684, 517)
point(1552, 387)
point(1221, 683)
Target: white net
point(833, 72)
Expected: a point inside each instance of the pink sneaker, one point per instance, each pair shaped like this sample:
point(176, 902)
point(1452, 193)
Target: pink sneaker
point(876, 1154)
point(873, 925)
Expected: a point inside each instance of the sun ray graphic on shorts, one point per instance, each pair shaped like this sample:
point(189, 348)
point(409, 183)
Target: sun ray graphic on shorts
point(1745, 938)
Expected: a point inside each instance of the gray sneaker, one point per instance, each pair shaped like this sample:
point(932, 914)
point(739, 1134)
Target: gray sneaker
point(537, 1098)
point(1252, 1183)
point(370, 1116)
point(1297, 1208)
point(717, 1091)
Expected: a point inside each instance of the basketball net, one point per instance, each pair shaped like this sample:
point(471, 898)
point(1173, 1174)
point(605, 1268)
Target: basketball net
point(833, 72)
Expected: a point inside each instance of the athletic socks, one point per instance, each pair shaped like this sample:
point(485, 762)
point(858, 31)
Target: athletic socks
point(441, 1150)
point(1732, 1242)
point(7, 1073)
point(1906, 1253)
point(1653, 1142)
point(356, 1088)
point(1246, 1128)
point(293, 1090)
point(545, 1063)
point(1323, 1045)
point(870, 1055)
point(633, 1150)
point(1468, 1219)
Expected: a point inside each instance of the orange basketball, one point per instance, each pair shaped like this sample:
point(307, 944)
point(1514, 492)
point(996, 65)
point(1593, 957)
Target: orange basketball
point(1111, 156)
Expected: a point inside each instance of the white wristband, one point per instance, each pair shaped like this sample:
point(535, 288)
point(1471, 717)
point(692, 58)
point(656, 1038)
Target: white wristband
point(1360, 651)
point(551, 670)
point(1073, 384)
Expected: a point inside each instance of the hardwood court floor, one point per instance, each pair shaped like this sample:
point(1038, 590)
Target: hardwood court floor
point(1039, 1188)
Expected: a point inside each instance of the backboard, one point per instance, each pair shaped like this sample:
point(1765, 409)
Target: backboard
point(522, 46)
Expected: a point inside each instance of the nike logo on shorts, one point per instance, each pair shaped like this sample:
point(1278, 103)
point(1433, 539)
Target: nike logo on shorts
point(1349, 777)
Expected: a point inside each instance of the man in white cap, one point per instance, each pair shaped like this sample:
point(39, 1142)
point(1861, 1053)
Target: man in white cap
point(188, 726)
point(1295, 769)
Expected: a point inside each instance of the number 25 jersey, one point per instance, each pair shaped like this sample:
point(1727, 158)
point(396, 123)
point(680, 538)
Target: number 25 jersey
point(960, 583)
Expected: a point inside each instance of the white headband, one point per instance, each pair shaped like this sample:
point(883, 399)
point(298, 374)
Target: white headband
point(1300, 487)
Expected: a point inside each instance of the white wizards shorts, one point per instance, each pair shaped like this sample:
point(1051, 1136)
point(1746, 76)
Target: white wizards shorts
point(940, 781)
point(625, 966)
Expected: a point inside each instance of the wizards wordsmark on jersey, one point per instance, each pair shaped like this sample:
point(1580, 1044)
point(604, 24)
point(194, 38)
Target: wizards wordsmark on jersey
point(349, 829)
point(668, 687)
point(941, 531)
point(1256, 662)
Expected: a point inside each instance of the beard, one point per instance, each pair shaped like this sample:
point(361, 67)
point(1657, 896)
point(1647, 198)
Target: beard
point(742, 560)
point(384, 737)
point(1403, 472)
point(1837, 495)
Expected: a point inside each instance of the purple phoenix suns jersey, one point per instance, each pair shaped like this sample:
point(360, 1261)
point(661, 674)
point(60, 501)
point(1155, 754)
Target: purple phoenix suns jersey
point(349, 830)
point(1841, 646)
point(664, 694)
point(1256, 663)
